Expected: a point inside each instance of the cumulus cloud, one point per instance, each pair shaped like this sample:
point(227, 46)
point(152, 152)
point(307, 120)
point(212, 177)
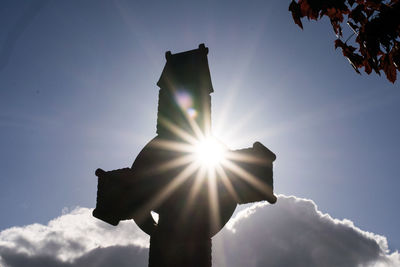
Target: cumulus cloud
point(70, 239)
point(292, 232)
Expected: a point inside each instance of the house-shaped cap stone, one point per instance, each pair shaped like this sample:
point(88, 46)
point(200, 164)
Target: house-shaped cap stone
point(187, 70)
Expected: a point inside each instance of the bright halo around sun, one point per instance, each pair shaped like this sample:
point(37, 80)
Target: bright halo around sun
point(209, 152)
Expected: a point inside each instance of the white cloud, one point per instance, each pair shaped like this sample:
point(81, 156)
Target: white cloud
point(69, 237)
point(290, 233)
point(293, 232)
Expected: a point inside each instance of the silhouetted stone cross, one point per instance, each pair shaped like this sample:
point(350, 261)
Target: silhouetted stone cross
point(184, 174)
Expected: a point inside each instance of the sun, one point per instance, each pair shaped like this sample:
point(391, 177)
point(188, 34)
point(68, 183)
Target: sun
point(209, 152)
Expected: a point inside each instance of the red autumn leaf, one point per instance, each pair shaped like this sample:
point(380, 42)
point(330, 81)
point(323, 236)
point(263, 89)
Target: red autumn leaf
point(296, 13)
point(309, 10)
point(339, 43)
point(388, 68)
point(367, 67)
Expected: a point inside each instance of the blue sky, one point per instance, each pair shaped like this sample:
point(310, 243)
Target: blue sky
point(78, 91)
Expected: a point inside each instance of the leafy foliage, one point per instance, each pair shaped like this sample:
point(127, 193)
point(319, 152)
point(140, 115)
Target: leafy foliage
point(375, 22)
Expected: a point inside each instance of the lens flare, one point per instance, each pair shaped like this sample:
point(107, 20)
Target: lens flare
point(192, 113)
point(184, 99)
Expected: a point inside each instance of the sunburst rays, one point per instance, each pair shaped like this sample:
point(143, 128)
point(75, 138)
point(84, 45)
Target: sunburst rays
point(201, 159)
